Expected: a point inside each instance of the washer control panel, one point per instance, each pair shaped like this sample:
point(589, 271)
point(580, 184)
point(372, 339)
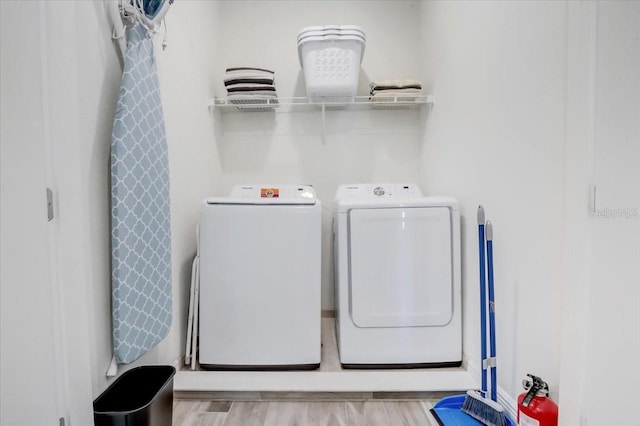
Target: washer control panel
point(274, 192)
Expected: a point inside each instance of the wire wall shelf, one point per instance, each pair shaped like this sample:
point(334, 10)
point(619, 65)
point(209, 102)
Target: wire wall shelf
point(283, 105)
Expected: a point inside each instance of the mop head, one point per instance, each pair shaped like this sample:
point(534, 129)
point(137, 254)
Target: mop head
point(484, 410)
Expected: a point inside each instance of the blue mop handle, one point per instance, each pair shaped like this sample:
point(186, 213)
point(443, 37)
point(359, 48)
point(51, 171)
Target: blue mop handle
point(492, 314)
point(483, 301)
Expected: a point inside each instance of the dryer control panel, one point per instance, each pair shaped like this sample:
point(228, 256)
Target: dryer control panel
point(379, 191)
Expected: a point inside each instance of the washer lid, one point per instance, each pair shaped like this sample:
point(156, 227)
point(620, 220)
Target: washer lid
point(268, 194)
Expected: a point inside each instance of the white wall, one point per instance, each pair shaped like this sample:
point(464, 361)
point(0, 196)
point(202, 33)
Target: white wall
point(496, 137)
point(95, 84)
point(186, 70)
point(360, 146)
point(581, 39)
point(537, 102)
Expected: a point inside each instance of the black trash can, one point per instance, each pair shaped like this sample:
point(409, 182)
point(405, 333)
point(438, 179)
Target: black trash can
point(142, 396)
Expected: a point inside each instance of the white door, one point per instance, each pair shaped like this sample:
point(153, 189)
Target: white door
point(401, 267)
point(30, 365)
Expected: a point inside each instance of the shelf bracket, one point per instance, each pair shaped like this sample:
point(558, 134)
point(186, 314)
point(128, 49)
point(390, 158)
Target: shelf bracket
point(324, 126)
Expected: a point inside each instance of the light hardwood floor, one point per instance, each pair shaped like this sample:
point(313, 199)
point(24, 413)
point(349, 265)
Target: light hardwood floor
point(301, 413)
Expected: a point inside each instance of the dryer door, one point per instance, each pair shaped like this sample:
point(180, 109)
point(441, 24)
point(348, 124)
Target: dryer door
point(401, 267)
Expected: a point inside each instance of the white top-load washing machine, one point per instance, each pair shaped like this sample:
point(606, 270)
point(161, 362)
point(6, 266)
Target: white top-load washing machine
point(397, 276)
point(260, 254)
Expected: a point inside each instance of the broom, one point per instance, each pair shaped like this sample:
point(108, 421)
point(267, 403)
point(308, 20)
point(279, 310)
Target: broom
point(448, 411)
point(476, 403)
point(483, 300)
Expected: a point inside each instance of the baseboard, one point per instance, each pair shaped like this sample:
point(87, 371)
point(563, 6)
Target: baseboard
point(423, 396)
point(425, 380)
point(177, 363)
point(508, 403)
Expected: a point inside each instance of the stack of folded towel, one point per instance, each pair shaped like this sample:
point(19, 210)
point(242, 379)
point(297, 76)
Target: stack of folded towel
point(390, 90)
point(250, 86)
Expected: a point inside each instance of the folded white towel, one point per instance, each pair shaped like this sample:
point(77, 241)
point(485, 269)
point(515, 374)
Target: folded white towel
point(248, 73)
point(248, 69)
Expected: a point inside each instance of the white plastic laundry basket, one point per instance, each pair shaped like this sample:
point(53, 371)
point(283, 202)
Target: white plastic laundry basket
point(331, 66)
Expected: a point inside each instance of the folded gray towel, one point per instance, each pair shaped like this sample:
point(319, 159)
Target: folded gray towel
point(398, 91)
point(251, 89)
point(234, 81)
point(394, 84)
point(397, 82)
point(229, 87)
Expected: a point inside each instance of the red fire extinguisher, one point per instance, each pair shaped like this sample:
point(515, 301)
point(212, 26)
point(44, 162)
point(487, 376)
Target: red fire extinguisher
point(534, 406)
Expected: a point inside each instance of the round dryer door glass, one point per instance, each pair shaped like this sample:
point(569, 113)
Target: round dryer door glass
point(401, 267)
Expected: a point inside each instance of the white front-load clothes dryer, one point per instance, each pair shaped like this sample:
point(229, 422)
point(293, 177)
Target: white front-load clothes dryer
point(260, 254)
point(397, 277)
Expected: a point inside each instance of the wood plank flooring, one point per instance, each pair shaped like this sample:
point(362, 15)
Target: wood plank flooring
point(299, 413)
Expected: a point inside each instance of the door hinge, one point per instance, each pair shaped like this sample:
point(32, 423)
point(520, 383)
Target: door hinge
point(49, 204)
